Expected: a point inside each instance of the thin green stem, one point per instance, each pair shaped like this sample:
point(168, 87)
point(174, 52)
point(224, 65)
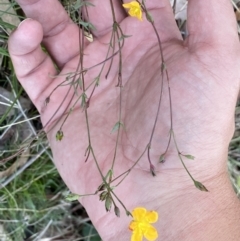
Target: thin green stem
point(116, 28)
point(163, 68)
point(129, 170)
point(179, 155)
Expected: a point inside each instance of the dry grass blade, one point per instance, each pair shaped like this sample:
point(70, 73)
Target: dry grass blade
point(8, 14)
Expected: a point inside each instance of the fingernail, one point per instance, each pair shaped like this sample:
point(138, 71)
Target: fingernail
point(24, 21)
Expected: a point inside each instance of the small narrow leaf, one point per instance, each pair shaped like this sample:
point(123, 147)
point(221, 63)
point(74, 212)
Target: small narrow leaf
point(123, 37)
point(117, 126)
point(88, 26)
point(189, 156)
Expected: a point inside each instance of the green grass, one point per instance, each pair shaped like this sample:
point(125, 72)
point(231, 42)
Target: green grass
point(32, 204)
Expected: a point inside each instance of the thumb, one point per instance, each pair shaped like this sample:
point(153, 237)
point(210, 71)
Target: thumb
point(33, 67)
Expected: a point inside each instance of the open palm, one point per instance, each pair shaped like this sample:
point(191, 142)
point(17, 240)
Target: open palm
point(204, 81)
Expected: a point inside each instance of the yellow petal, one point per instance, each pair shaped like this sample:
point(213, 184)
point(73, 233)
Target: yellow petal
point(137, 235)
point(151, 233)
point(127, 5)
point(133, 225)
point(132, 4)
point(135, 4)
point(139, 214)
point(139, 15)
point(134, 9)
point(151, 217)
point(135, 13)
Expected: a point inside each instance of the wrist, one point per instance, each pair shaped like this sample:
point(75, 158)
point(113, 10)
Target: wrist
point(204, 216)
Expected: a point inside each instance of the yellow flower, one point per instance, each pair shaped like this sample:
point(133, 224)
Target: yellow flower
point(134, 9)
point(141, 224)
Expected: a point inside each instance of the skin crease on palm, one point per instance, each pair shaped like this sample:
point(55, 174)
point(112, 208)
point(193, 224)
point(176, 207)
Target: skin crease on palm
point(205, 80)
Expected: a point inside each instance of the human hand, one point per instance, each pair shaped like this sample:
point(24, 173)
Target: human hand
point(204, 79)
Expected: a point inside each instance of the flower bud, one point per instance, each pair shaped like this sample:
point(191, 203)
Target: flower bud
point(108, 203)
point(59, 135)
point(103, 195)
point(117, 211)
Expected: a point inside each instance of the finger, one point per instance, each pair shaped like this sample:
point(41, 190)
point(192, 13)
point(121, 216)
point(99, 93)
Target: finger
point(32, 66)
point(163, 19)
point(101, 15)
point(211, 22)
point(60, 34)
